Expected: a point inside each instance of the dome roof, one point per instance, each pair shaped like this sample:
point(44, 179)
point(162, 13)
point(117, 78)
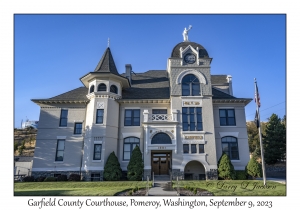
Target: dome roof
point(176, 50)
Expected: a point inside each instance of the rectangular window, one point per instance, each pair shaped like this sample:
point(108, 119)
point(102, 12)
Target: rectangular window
point(95, 177)
point(132, 117)
point(192, 119)
point(60, 150)
point(201, 148)
point(227, 117)
point(99, 116)
point(129, 144)
point(159, 111)
point(78, 128)
point(186, 149)
point(230, 147)
point(63, 122)
point(193, 148)
point(97, 151)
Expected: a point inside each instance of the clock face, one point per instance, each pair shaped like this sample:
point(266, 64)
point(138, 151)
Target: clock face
point(190, 58)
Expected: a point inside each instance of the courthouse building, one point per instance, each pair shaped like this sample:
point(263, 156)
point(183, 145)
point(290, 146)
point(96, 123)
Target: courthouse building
point(182, 118)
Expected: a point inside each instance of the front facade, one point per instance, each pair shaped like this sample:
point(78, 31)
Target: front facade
point(182, 118)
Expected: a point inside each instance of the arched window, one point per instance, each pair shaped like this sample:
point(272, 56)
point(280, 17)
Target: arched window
point(92, 88)
point(129, 144)
point(102, 87)
point(190, 85)
point(230, 147)
point(114, 89)
point(161, 138)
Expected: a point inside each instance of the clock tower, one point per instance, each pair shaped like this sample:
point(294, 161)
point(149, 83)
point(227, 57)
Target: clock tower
point(191, 94)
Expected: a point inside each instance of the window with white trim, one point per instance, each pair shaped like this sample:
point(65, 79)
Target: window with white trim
point(227, 117)
point(230, 147)
point(129, 144)
point(60, 148)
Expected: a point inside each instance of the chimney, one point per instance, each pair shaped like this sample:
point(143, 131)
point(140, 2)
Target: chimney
point(229, 80)
point(128, 72)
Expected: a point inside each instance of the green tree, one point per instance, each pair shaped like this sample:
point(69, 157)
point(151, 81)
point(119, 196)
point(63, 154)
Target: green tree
point(274, 140)
point(135, 167)
point(225, 168)
point(253, 168)
point(253, 137)
point(112, 169)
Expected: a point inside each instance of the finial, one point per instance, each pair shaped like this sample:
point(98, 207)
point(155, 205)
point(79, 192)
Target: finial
point(108, 42)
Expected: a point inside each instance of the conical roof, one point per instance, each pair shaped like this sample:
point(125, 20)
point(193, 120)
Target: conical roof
point(107, 64)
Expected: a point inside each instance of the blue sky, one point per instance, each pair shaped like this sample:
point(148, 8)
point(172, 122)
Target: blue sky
point(51, 52)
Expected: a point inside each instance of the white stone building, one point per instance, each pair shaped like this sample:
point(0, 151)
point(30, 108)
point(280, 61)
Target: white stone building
point(182, 118)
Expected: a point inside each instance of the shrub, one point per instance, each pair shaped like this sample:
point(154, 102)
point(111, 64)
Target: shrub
point(28, 179)
point(74, 177)
point(62, 178)
point(241, 175)
point(112, 169)
point(40, 179)
point(50, 179)
point(254, 169)
point(225, 168)
point(195, 190)
point(135, 166)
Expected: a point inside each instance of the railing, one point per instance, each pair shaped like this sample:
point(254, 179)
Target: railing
point(160, 117)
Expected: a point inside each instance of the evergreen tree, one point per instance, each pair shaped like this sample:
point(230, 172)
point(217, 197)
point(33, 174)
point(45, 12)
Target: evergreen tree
point(225, 168)
point(274, 140)
point(135, 167)
point(253, 168)
point(112, 169)
point(253, 137)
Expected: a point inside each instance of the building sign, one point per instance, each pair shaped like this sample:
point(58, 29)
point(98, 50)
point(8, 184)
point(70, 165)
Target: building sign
point(193, 137)
point(161, 147)
point(191, 103)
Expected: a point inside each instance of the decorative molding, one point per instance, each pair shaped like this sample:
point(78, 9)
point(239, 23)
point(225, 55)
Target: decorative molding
point(163, 131)
point(235, 134)
point(100, 105)
point(199, 75)
point(132, 134)
point(144, 101)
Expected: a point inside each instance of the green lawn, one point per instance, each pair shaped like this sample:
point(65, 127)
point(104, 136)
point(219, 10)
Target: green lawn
point(74, 188)
point(218, 188)
point(237, 187)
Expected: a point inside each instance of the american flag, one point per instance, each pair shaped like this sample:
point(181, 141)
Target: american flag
point(257, 98)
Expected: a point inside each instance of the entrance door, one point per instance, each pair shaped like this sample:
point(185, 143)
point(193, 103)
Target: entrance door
point(160, 163)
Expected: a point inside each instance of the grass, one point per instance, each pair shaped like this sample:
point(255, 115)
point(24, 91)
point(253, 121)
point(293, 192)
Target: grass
point(75, 188)
point(236, 187)
point(217, 187)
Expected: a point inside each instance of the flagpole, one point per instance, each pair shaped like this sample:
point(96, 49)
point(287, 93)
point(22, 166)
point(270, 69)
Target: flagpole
point(259, 131)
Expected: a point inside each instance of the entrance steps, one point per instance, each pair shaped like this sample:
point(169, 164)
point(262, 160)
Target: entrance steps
point(162, 186)
point(161, 178)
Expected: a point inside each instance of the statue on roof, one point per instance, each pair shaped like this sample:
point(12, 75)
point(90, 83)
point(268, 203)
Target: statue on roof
point(185, 34)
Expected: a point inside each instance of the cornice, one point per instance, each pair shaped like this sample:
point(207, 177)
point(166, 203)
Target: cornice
point(233, 100)
point(144, 101)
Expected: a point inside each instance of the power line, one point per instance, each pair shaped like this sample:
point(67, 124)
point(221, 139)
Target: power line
point(266, 108)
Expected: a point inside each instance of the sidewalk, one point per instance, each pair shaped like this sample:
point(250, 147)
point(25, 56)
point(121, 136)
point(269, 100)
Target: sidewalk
point(162, 188)
point(282, 181)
